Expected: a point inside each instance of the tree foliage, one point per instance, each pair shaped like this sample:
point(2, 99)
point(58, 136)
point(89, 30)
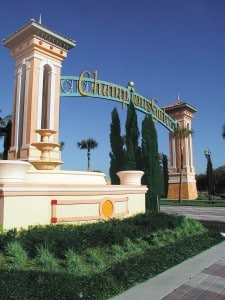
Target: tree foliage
point(88, 144)
point(151, 165)
point(210, 177)
point(144, 158)
point(132, 155)
point(201, 182)
point(117, 151)
point(61, 146)
point(5, 131)
point(219, 179)
point(165, 174)
point(223, 132)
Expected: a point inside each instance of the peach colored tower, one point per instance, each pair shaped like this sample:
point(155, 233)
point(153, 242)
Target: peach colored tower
point(38, 53)
point(183, 113)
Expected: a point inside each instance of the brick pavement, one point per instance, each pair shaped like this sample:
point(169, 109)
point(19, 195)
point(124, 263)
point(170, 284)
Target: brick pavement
point(201, 277)
point(209, 284)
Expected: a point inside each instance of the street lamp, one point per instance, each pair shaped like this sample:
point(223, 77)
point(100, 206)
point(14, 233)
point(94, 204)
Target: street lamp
point(207, 154)
point(209, 171)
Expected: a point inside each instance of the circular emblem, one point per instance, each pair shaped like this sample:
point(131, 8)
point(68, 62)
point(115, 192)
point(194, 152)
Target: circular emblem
point(107, 208)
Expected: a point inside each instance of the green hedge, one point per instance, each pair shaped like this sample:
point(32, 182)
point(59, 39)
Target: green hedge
point(32, 285)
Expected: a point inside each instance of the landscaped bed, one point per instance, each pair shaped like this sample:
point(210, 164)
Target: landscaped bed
point(96, 261)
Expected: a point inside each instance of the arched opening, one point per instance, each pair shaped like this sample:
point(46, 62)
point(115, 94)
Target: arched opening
point(21, 105)
point(45, 97)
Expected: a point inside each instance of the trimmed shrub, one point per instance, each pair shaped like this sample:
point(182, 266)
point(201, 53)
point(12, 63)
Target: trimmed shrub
point(46, 259)
point(16, 255)
point(74, 262)
point(95, 259)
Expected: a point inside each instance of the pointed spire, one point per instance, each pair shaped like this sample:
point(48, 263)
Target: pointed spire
point(178, 98)
point(39, 19)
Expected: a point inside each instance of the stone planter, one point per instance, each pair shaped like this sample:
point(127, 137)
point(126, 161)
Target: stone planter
point(13, 170)
point(130, 177)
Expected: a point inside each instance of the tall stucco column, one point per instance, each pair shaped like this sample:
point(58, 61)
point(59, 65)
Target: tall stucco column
point(183, 113)
point(38, 53)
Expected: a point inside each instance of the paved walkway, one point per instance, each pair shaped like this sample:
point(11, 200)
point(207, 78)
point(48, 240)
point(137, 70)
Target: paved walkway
point(208, 284)
point(195, 212)
point(200, 277)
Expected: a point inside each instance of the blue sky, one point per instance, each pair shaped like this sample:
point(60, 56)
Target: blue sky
point(165, 46)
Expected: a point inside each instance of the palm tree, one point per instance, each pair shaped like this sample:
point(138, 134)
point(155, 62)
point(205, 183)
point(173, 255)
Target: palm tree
point(87, 144)
point(181, 133)
point(223, 132)
point(5, 131)
point(4, 121)
point(61, 146)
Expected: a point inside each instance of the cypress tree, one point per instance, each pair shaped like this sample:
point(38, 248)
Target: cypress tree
point(117, 151)
point(210, 178)
point(132, 157)
point(161, 175)
point(5, 130)
point(151, 164)
point(165, 174)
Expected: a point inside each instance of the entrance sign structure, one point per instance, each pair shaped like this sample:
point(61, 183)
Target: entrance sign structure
point(180, 113)
point(30, 196)
point(38, 53)
point(49, 195)
point(183, 113)
point(88, 85)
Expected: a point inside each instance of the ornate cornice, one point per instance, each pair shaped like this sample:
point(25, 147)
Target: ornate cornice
point(36, 29)
point(178, 106)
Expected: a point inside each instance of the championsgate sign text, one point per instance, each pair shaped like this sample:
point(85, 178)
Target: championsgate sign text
point(88, 85)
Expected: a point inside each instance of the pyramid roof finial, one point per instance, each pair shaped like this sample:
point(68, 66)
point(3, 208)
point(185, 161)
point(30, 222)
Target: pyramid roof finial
point(39, 19)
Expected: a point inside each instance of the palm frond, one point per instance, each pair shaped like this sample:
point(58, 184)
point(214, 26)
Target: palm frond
point(223, 132)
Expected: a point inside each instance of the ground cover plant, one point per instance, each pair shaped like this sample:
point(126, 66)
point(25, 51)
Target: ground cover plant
point(96, 261)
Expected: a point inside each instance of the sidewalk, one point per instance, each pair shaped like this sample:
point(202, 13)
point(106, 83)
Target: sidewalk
point(195, 212)
point(201, 277)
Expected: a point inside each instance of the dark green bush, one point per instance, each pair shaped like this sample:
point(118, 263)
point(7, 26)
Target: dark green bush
point(32, 285)
point(7, 237)
point(59, 238)
point(135, 247)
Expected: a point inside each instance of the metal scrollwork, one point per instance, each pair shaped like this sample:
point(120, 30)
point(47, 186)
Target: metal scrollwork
point(67, 85)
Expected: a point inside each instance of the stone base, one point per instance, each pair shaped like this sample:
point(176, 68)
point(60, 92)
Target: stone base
point(26, 204)
point(42, 197)
point(189, 191)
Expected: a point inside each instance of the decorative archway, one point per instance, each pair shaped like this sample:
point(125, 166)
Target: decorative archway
point(88, 85)
point(38, 52)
